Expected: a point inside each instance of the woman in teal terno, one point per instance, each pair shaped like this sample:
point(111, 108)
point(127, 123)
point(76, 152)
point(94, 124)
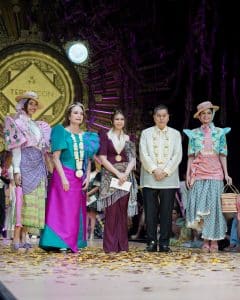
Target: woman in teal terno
point(72, 150)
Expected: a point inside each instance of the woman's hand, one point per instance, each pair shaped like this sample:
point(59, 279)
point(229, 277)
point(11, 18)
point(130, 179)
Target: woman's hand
point(18, 179)
point(228, 179)
point(188, 181)
point(87, 197)
point(122, 178)
point(85, 183)
point(65, 184)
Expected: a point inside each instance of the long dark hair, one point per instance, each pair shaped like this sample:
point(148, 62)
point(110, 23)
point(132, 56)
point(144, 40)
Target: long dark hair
point(68, 112)
point(25, 105)
point(5, 159)
point(120, 112)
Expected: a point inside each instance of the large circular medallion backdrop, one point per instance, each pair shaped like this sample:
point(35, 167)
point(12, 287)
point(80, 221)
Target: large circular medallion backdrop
point(41, 69)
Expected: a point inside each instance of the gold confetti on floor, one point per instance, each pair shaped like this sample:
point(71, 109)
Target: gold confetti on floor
point(136, 261)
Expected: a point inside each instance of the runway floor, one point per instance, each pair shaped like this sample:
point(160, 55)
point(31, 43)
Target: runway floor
point(92, 274)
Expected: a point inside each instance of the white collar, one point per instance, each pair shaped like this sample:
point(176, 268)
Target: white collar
point(118, 142)
point(164, 130)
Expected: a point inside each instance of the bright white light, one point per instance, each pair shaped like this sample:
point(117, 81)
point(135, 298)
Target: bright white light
point(77, 53)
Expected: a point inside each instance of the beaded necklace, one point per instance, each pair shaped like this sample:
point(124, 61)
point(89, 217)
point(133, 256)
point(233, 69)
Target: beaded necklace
point(78, 151)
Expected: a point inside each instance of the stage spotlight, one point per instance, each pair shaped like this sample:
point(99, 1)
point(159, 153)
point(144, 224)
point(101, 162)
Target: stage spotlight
point(77, 52)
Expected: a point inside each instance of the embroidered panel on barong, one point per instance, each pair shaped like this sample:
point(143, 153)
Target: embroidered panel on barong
point(32, 168)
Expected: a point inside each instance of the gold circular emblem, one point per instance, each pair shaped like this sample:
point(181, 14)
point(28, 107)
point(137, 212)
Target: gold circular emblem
point(118, 157)
point(39, 72)
point(79, 173)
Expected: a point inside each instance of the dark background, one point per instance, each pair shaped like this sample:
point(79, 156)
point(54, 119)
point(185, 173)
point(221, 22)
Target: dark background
point(178, 53)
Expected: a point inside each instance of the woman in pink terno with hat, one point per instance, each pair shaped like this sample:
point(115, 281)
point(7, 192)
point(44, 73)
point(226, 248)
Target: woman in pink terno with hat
point(206, 170)
point(29, 142)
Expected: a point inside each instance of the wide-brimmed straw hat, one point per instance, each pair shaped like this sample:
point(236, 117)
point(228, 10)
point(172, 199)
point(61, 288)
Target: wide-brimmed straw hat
point(29, 95)
point(203, 106)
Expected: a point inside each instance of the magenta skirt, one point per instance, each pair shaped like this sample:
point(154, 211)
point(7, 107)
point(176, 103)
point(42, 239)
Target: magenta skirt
point(65, 214)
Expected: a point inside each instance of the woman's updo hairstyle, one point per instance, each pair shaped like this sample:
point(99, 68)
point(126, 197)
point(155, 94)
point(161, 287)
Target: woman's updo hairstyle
point(68, 112)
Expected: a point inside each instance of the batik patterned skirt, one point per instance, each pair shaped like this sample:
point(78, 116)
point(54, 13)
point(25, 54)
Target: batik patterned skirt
point(34, 178)
point(33, 209)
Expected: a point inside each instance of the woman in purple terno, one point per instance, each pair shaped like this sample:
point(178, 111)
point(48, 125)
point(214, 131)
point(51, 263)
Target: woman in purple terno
point(29, 142)
point(72, 148)
point(118, 157)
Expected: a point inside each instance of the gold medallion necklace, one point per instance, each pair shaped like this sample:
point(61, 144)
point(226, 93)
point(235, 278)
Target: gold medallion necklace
point(78, 151)
point(118, 143)
point(118, 157)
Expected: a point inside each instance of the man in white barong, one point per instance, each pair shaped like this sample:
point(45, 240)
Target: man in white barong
point(160, 155)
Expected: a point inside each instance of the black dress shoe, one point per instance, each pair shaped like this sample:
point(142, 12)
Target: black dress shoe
point(152, 247)
point(164, 248)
